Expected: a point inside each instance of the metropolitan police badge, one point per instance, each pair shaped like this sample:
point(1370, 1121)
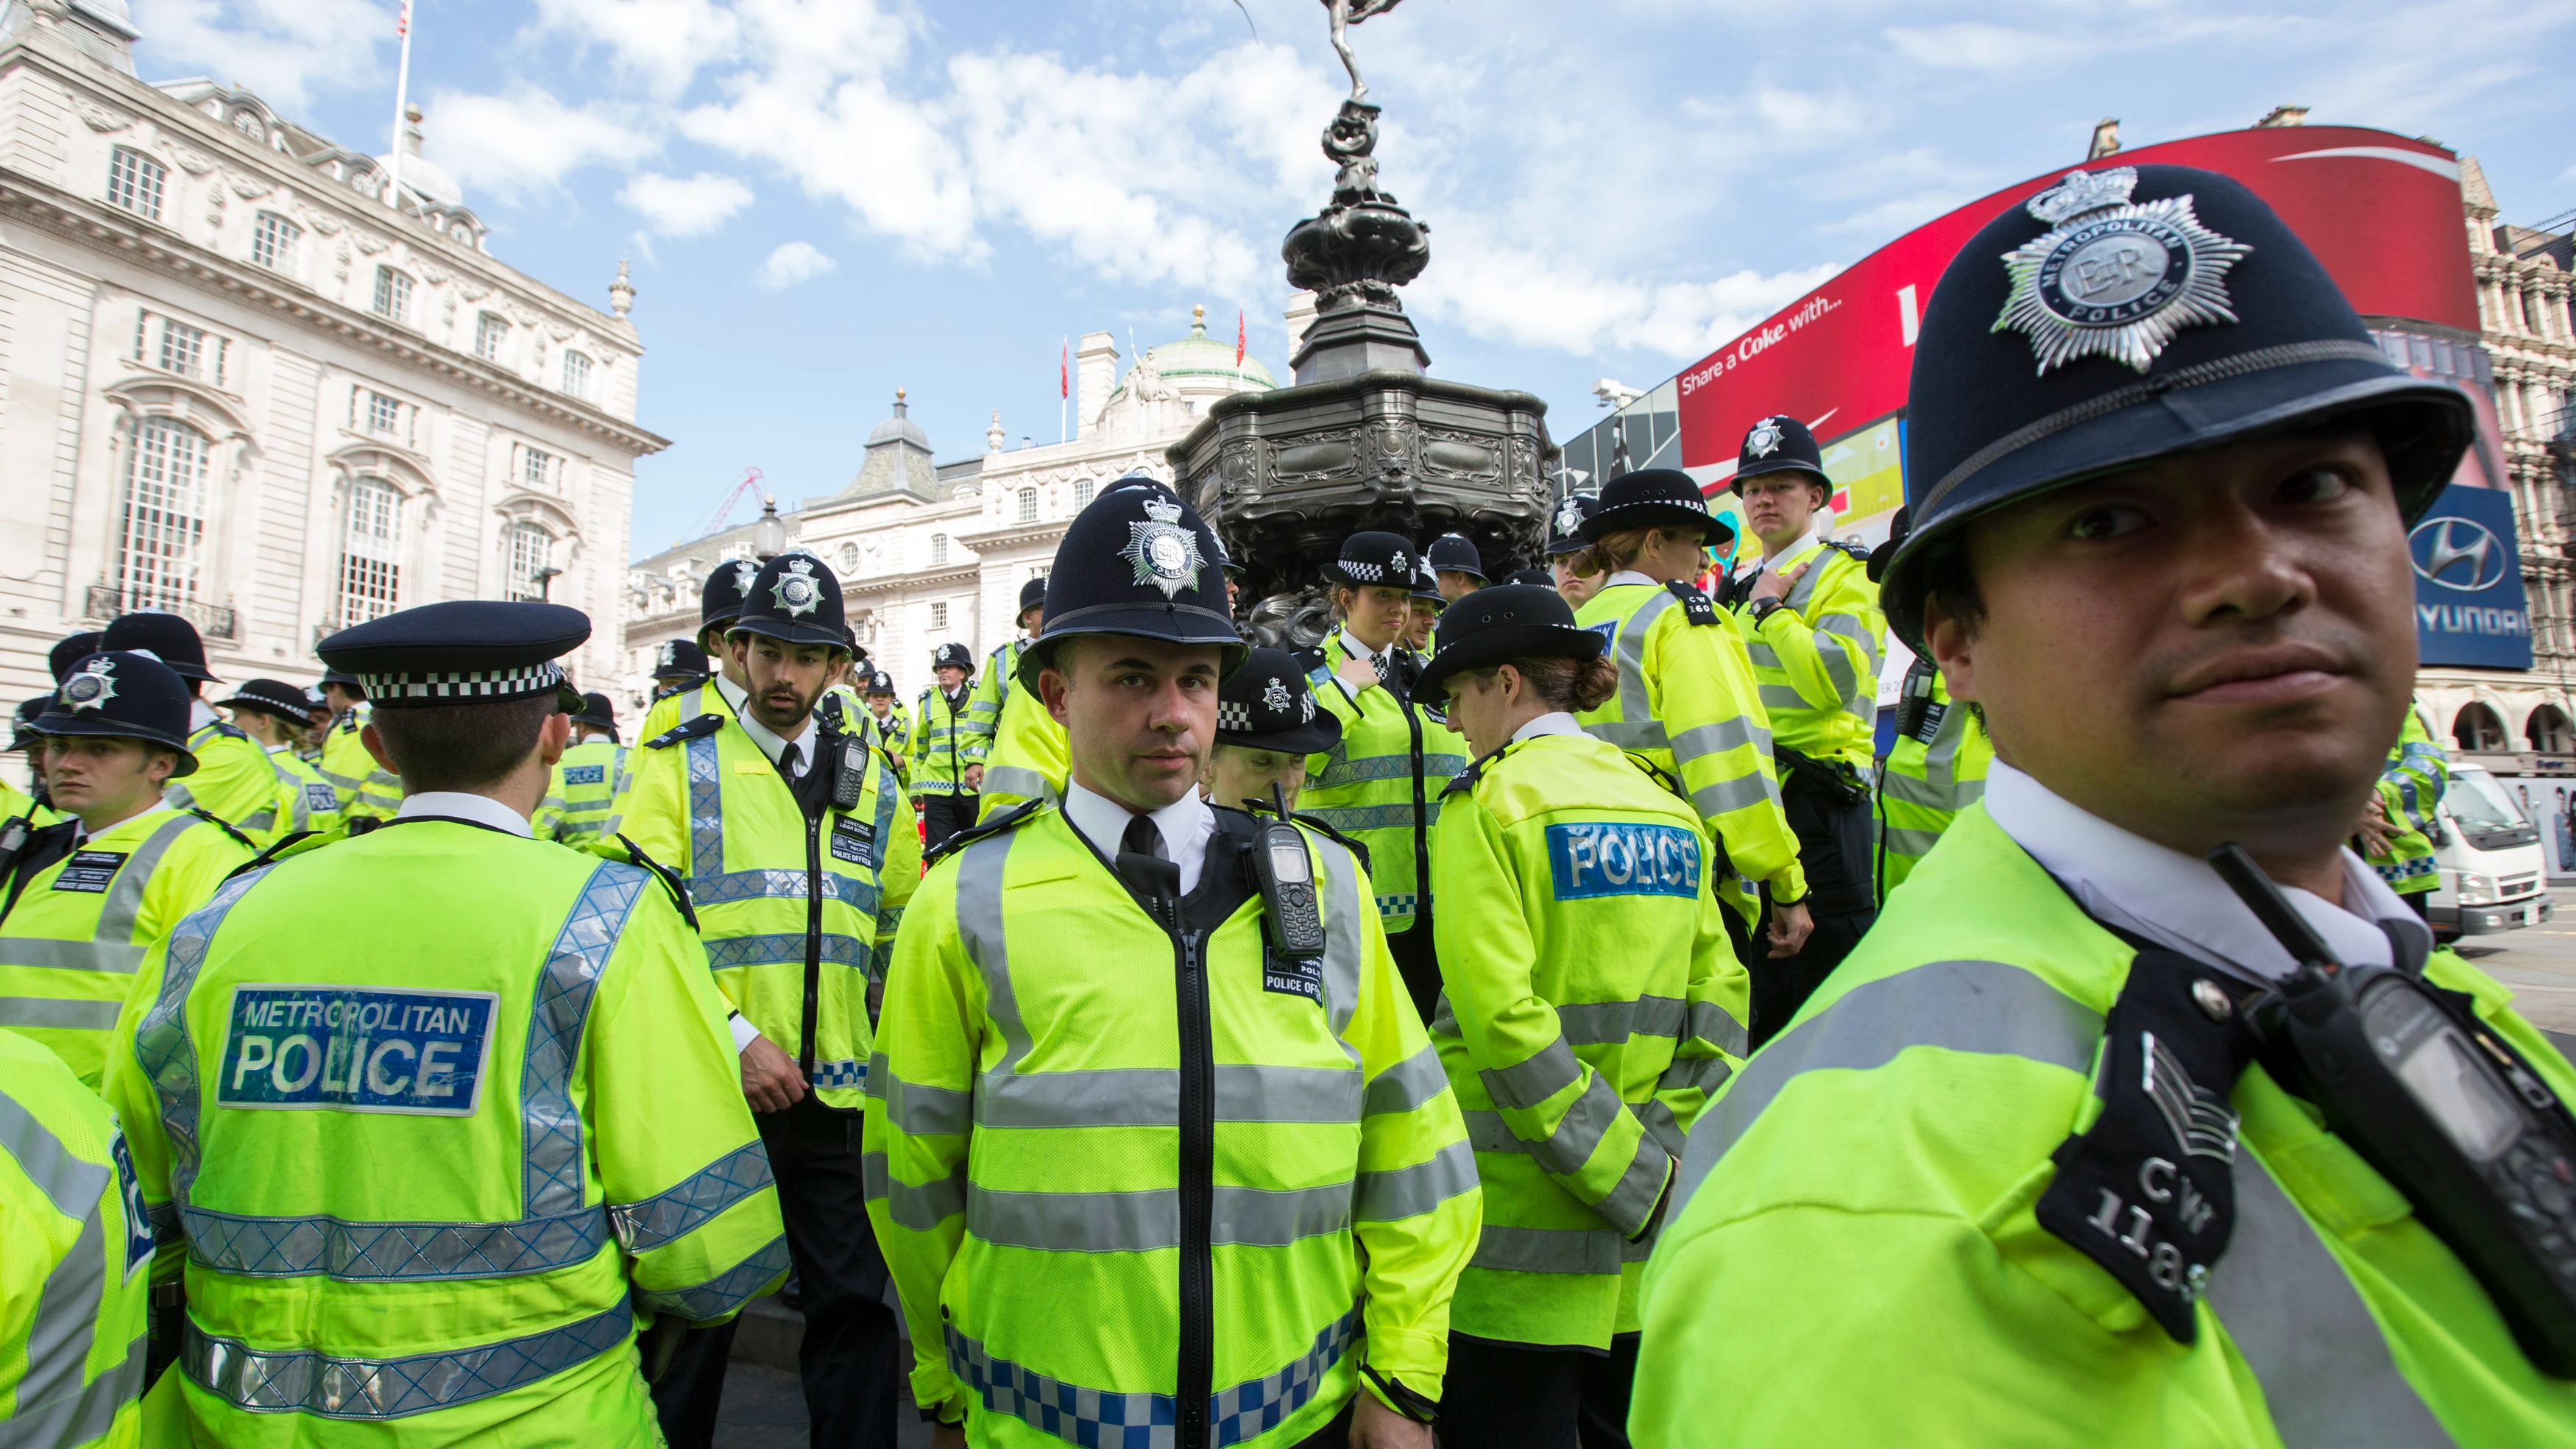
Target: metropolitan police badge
point(1275, 695)
point(744, 572)
point(92, 687)
point(1765, 439)
point(796, 590)
point(670, 653)
point(1165, 554)
point(2113, 279)
point(1569, 517)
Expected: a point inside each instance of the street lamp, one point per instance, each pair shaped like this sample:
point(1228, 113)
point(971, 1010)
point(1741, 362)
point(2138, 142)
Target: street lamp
point(769, 535)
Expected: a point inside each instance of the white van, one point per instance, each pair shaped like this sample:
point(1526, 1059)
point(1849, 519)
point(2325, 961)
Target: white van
point(2491, 861)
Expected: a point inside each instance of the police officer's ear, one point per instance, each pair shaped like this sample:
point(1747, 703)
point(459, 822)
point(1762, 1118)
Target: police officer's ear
point(553, 738)
point(375, 743)
point(157, 765)
point(1054, 684)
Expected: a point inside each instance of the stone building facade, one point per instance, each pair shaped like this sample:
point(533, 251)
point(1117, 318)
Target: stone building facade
point(246, 383)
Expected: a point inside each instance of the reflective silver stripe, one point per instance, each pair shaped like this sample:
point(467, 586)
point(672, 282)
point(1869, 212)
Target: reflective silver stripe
point(1916, 843)
point(1703, 1074)
point(1406, 1085)
point(1345, 930)
point(1579, 1132)
point(124, 904)
point(1527, 1083)
point(161, 1045)
point(1547, 1250)
point(921, 1208)
point(1488, 1132)
point(65, 1320)
point(1762, 655)
point(724, 953)
point(1355, 819)
point(979, 930)
point(1102, 1419)
point(71, 1184)
point(1637, 728)
point(682, 1208)
point(779, 885)
point(1724, 735)
point(45, 953)
point(723, 1293)
point(706, 809)
point(1407, 1192)
point(1778, 697)
point(1711, 1023)
point(1017, 780)
point(1838, 669)
point(1151, 1096)
point(1805, 588)
point(82, 1416)
point(1366, 768)
point(918, 1110)
point(303, 1381)
point(1962, 1006)
point(1150, 1220)
point(552, 1169)
point(2328, 1379)
point(1909, 790)
point(1632, 1201)
point(1604, 1023)
point(1714, 800)
point(361, 1252)
point(50, 1011)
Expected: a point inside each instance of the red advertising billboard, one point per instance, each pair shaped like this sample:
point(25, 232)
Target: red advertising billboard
point(2381, 211)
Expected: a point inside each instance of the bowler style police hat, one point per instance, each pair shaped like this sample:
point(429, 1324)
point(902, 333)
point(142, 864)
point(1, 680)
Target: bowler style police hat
point(1780, 444)
point(2135, 313)
point(1032, 596)
point(880, 683)
point(1266, 705)
point(70, 651)
point(679, 659)
point(1536, 578)
point(952, 655)
point(1565, 524)
point(123, 694)
point(274, 697)
point(1137, 560)
point(21, 725)
point(597, 712)
point(1654, 498)
point(1456, 552)
point(462, 651)
point(166, 637)
point(1374, 558)
point(1506, 622)
point(795, 600)
point(1426, 582)
point(727, 589)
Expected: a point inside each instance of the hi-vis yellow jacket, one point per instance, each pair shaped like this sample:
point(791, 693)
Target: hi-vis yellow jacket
point(941, 746)
point(985, 700)
point(234, 781)
point(792, 904)
point(1816, 659)
point(1687, 705)
point(1130, 1202)
point(707, 696)
point(1027, 759)
point(581, 798)
point(302, 802)
point(1932, 774)
point(424, 1184)
point(1381, 785)
point(1591, 1005)
point(74, 1247)
point(367, 790)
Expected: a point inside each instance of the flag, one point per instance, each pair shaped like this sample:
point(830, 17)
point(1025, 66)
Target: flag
point(1064, 373)
point(402, 21)
point(1239, 339)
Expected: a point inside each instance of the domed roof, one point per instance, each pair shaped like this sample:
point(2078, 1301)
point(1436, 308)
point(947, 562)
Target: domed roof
point(899, 428)
point(426, 179)
point(1201, 356)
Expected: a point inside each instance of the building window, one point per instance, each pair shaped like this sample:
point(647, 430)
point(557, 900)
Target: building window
point(163, 531)
point(1081, 492)
point(247, 123)
point(2550, 732)
point(938, 617)
point(849, 558)
point(1028, 505)
point(393, 294)
point(2478, 730)
point(272, 242)
point(576, 377)
point(180, 347)
point(370, 576)
point(491, 334)
point(2531, 314)
point(183, 348)
point(536, 466)
point(384, 414)
point(527, 548)
point(134, 182)
point(938, 549)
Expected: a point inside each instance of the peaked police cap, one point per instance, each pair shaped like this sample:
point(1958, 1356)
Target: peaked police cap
point(1779, 444)
point(123, 694)
point(462, 651)
point(1137, 560)
point(1374, 558)
point(1653, 498)
point(2135, 313)
point(795, 600)
point(273, 697)
point(1507, 622)
point(166, 637)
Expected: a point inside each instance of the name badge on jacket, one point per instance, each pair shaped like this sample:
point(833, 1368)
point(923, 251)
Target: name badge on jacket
point(854, 841)
point(89, 871)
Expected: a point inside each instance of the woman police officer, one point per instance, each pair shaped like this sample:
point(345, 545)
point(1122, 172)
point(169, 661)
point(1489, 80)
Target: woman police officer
point(1592, 1003)
point(1381, 784)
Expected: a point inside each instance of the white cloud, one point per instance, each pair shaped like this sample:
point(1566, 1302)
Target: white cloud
point(522, 145)
point(1971, 45)
point(685, 205)
point(659, 42)
point(286, 50)
point(794, 262)
point(1518, 294)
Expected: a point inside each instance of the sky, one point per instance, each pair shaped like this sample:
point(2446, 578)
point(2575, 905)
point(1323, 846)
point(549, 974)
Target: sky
point(825, 200)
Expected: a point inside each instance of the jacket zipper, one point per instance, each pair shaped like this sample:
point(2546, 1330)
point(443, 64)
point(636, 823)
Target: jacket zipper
point(1198, 1194)
point(813, 934)
point(1421, 829)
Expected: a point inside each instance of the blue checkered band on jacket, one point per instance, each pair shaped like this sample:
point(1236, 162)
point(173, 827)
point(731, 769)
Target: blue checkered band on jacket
point(465, 683)
point(1099, 1419)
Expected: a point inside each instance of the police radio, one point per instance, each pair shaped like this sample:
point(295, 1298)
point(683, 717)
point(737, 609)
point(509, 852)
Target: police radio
point(850, 772)
point(1287, 878)
point(2445, 1109)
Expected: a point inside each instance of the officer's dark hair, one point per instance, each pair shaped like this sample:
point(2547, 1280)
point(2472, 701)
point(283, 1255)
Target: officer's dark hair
point(1944, 573)
point(462, 746)
point(1617, 552)
point(1572, 685)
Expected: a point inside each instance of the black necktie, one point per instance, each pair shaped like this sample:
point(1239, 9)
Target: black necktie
point(790, 763)
point(1148, 872)
point(1142, 838)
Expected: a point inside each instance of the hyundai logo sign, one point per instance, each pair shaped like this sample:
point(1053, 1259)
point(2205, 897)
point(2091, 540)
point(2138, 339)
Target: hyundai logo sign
point(2458, 554)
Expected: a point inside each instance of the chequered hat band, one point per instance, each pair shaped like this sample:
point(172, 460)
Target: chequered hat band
point(1238, 717)
point(1359, 569)
point(1233, 716)
point(298, 706)
point(465, 684)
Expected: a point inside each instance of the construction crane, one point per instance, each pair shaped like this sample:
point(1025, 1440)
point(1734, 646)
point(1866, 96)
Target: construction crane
point(716, 521)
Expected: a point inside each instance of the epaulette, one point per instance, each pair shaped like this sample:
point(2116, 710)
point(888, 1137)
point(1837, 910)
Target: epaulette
point(225, 826)
point(1694, 603)
point(1853, 547)
point(1656, 772)
point(1309, 660)
point(348, 722)
point(669, 878)
point(696, 729)
point(1466, 779)
point(232, 731)
point(1008, 819)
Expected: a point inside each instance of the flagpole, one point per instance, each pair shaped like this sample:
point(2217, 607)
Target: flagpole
point(1063, 388)
point(402, 103)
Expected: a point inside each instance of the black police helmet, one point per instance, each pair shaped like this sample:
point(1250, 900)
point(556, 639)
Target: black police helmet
point(123, 694)
point(795, 600)
point(1780, 444)
point(1535, 578)
point(1503, 623)
point(2130, 314)
point(1266, 705)
point(1565, 525)
point(680, 659)
point(70, 651)
point(1653, 498)
point(274, 697)
point(1374, 558)
point(462, 651)
point(1032, 596)
point(722, 596)
point(21, 733)
point(597, 712)
point(1457, 552)
point(1137, 560)
point(1426, 582)
point(881, 683)
point(953, 655)
point(166, 637)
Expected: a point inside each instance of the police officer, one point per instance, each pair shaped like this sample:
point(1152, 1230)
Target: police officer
point(1459, 569)
point(993, 686)
point(587, 779)
point(1117, 1197)
point(1935, 765)
point(2050, 1115)
point(82, 899)
point(367, 790)
point(275, 714)
point(1566, 543)
point(1687, 705)
point(720, 600)
point(1267, 724)
point(1233, 579)
point(945, 769)
point(69, 651)
point(1812, 624)
point(1592, 1002)
point(1427, 603)
point(30, 803)
point(428, 1183)
point(1381, 783)
point(800, 853)
point(678, 665)
point(2402, 824)
point(73, 1245)
point(233, 780)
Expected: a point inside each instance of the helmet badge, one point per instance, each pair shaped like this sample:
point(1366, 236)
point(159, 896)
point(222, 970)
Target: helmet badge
point(796, 590)
point(92, 687)
point(1766, 437)
point(1165, 554)
point(2114, 279)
